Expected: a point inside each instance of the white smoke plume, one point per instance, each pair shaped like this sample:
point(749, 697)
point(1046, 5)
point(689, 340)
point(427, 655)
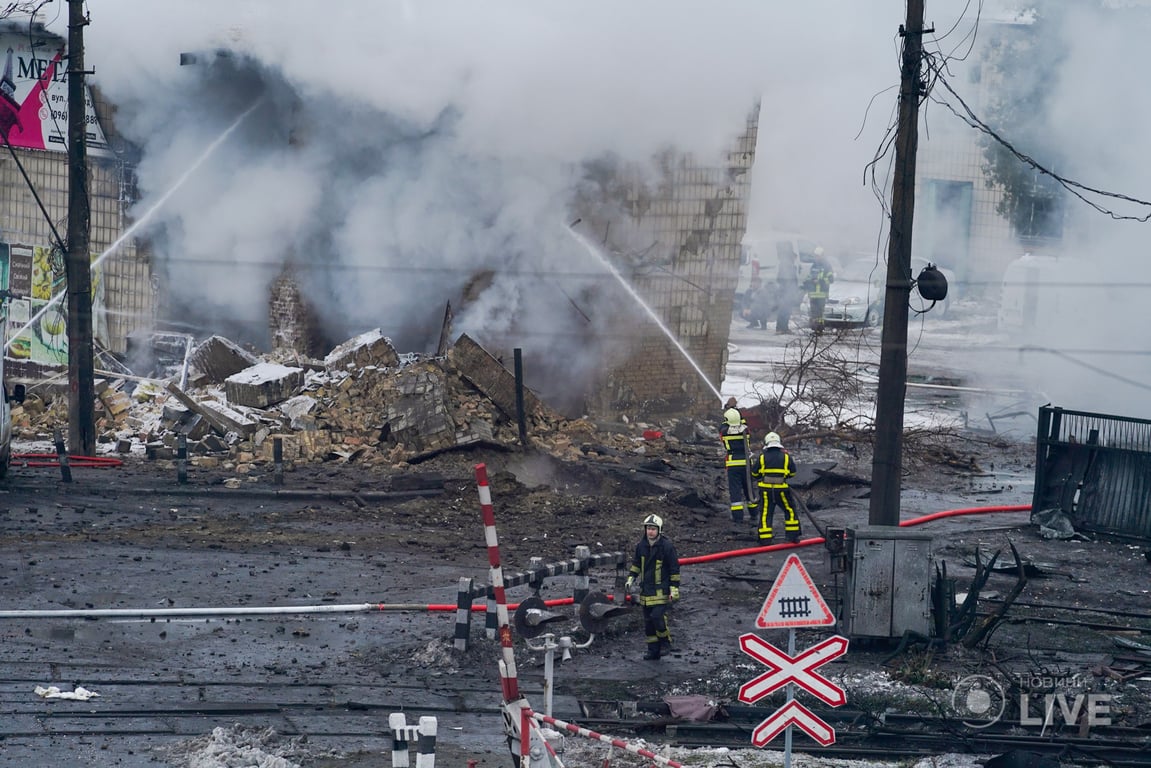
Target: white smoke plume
point(405, 153)
point(403, 148)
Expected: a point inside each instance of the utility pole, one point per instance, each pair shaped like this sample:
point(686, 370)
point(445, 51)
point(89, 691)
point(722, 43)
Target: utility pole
point(887, 461)
point(77, 262)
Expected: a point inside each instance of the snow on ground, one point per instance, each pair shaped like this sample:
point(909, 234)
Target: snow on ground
point(961, 372)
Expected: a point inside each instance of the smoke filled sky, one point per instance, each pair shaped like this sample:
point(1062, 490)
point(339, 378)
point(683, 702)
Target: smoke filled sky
point(399, 148)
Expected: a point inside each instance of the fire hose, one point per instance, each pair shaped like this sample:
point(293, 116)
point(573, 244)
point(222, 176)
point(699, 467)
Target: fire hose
point(53, 460)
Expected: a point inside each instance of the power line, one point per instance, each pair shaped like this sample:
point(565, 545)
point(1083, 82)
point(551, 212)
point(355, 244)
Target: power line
point(1078, 189)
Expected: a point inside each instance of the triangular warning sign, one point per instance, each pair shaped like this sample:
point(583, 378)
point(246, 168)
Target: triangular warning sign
point(794, 600)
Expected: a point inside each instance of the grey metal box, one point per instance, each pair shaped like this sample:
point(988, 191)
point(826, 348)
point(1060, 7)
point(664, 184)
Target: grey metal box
point(888, 582)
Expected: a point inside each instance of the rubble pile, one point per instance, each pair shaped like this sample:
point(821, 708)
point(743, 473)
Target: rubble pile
point(363, 402)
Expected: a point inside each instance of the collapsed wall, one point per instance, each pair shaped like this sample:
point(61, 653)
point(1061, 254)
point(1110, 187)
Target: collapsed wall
point(362, 403)
point(676, 238)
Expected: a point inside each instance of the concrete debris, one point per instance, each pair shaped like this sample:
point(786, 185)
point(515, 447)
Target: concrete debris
point(487, 375)
point(367, 349)
point(365, 404)
point(263, 384)
point(217, 358)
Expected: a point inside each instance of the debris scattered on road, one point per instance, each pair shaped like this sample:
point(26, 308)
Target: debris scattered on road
point(54, 692)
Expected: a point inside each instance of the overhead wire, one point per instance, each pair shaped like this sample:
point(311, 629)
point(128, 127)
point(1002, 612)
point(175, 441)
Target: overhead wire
point(1076, 188)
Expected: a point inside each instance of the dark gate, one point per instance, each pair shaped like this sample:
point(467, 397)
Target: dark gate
point(1096, 468)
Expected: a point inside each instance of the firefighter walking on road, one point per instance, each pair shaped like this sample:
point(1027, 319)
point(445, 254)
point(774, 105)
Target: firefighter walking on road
point(772, 471)
point(737, 454)
point(655, 569)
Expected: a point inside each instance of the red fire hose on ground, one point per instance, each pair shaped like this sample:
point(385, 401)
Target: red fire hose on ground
point(816, 540)
point(53, 460)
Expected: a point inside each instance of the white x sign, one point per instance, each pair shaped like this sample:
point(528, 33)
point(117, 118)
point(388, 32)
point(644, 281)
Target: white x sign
point(799, 670)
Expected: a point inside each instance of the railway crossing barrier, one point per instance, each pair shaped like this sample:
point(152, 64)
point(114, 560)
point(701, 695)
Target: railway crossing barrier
point(534, 576)
point(403, 735)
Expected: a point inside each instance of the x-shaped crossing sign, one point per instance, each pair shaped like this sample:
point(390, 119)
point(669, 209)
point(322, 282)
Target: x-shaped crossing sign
point(783, 669)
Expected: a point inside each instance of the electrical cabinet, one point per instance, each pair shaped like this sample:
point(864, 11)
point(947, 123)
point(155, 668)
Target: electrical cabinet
point(888, 586)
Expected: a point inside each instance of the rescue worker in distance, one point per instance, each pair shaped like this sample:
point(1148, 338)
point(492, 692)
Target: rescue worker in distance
point(737, 453)
point(655, 570)
point(772, 470)
point(818, 284)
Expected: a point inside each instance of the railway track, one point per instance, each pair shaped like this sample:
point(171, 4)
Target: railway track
point(860, 736)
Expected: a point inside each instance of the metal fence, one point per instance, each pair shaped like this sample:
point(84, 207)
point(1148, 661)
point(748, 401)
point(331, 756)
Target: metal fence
point(1096, 468)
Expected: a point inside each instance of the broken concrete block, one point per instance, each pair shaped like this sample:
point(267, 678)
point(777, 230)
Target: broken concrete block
point(213, 444)
point(195, 427)
point(115, 402)
point(233, 420)
point(159, 451)
point(298, 411)
point(492, 379)
point(263, 385)
point(370, 348)
point(217, 358)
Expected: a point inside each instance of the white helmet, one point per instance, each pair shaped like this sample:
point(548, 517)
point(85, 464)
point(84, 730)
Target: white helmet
point(732, 417)
point(655, 520)
point(771, 440)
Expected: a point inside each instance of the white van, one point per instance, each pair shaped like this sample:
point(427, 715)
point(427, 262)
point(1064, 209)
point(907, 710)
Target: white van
point(1039, 290)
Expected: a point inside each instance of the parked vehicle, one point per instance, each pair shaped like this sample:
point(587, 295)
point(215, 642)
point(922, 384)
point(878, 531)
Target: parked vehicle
point(1039, 291)
point(857, 295)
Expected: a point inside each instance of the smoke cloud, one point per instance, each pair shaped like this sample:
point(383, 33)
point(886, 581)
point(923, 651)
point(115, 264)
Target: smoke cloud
point(401, 150)
point(406, 154)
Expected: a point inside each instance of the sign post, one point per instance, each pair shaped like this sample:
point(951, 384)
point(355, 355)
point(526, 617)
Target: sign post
point(794, 601)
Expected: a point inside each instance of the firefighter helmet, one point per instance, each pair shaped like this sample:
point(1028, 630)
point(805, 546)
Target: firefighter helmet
point(655, 520)
point(732, 417)
point(771, 440)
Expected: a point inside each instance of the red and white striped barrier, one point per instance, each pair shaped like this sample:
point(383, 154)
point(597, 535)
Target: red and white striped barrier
point(588, 734)
point(508, 677)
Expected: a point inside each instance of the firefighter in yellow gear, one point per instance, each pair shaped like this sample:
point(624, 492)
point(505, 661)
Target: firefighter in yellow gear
point(818, 284)
point(655, 571)
point(772, 470)
point(737, 454)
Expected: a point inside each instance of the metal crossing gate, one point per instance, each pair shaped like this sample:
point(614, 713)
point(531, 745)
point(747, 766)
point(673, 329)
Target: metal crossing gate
point(1096, 469)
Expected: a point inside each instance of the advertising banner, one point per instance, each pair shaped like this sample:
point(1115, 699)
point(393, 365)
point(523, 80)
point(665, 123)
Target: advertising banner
point(33, 275)
point(34, 95)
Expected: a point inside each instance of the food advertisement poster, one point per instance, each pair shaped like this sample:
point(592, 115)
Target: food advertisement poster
point(37, 328)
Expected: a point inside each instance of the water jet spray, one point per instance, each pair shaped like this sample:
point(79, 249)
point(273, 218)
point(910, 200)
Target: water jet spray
point(594, 250)
point(145, 217)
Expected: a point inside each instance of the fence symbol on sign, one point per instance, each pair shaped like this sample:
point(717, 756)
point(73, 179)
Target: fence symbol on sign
point(794, 600)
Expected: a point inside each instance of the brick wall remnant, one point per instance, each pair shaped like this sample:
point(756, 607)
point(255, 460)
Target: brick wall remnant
point(494, 381)
point(291, 319)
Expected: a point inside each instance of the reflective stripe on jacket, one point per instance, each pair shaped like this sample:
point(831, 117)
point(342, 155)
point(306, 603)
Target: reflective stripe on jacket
point(773, 469)
point(656, 569)
point(736, 447)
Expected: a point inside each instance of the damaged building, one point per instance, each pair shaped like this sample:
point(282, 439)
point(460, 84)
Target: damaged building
point(34, 181)
point(669, 229)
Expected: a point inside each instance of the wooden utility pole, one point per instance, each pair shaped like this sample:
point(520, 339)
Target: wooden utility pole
point(77, 262)
point(887, 462)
